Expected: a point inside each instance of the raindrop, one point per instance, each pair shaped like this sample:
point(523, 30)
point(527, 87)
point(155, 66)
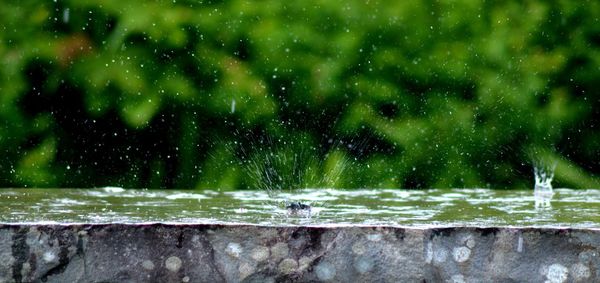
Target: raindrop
point(66, 15)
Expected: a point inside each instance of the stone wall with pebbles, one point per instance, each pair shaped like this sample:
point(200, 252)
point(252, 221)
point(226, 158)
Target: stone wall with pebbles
point(244, 253)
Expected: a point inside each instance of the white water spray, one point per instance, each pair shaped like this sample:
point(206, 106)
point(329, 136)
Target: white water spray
point(543, 185)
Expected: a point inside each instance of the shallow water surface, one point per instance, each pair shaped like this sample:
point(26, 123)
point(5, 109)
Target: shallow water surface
point(415, 208)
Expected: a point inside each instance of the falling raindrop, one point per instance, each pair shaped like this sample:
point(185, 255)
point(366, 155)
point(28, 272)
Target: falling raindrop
point(66, 15)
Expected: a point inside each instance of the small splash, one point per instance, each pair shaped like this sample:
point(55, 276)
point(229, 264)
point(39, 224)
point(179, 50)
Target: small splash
point(282, 165)
point(111, 189)
point(543, 185)
point(241, 210)
point(298, 209)
point(186, 196)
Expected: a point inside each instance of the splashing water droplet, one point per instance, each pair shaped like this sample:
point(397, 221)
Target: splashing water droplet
point(298, 209)
point(66, 15)
point(543, 185)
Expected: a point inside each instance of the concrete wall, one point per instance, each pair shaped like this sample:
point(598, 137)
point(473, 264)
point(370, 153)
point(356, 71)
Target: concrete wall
point(240, 253)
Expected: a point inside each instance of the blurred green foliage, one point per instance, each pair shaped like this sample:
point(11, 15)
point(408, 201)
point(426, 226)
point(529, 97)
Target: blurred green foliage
point(237, 94)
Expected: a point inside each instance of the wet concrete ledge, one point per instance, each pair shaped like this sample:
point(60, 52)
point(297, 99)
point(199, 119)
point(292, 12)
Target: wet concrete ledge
point(247, 253)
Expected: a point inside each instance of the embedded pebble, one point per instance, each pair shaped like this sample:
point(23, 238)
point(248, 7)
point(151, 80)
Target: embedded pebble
point(279, 251)
point(148, 264)
point(325, 271)
point(260, 253)
point(580, 272)
point(49, 256)
point(457, 278)
point(288, 266)
point(234, 250)
point(173, 263)
point(304, 263)
point(440, 255)
point(246, 270)
point(587, 255)
point(470, 242)
point(557, 273)
point(363, 264)
point(26, 268)
point(359, 248)
point(374, 237)
point(185, 279)
point(461, 254)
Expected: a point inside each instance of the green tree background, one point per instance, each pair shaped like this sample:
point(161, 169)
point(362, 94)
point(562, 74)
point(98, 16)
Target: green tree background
point(269, 94)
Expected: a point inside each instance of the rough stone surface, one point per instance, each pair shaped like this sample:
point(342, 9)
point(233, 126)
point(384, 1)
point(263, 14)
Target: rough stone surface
point(245, 253)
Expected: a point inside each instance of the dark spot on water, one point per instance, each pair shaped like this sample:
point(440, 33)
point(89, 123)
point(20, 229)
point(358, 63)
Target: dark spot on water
point(297, 206)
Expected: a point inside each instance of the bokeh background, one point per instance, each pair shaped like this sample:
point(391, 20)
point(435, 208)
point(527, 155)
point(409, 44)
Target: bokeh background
point(271, 94)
